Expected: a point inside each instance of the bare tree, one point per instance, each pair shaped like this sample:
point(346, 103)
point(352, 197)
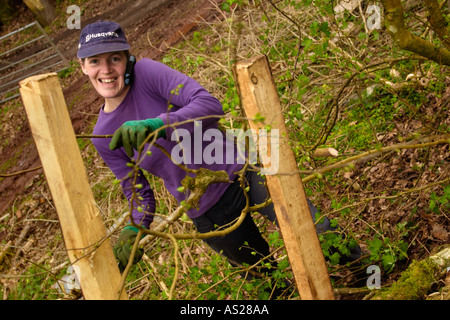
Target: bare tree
point(394, 20)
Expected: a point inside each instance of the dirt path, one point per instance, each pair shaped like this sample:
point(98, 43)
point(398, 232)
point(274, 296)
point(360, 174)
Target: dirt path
point(160, 22)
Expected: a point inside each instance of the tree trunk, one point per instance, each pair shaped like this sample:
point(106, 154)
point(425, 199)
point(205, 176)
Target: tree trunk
point(395, 25)
point(43, 10)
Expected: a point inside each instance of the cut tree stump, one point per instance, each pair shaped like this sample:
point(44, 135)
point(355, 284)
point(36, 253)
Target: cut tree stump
point(260, 100)
point(84, 233)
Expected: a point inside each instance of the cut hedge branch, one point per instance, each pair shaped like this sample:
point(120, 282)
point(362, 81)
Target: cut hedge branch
point(197, 192)
point(428, 142)
point(406, 40)
point(326, 152)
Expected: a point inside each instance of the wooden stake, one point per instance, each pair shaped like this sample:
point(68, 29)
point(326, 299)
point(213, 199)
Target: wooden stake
point(82, 226)
point(259, 96)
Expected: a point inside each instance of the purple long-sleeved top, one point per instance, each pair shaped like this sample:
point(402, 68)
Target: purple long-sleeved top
point(152, 90)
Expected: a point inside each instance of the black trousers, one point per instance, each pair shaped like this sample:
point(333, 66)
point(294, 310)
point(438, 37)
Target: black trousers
point(240, 246)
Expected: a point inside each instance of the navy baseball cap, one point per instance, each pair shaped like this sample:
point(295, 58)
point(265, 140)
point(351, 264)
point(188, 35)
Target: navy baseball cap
point(101, 37)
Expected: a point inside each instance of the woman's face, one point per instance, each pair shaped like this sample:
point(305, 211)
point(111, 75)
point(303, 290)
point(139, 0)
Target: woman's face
point(106, 72)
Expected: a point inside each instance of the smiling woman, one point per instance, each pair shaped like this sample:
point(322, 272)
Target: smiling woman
point(103, 54)
point(106, 72)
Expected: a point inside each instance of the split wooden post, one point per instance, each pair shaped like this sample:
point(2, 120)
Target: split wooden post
point(82, 226)
point(259, 96)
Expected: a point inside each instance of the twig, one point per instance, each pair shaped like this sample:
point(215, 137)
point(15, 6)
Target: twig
point(175, 258)
point(389, 197)
point(130, 263)
point(7, 175)
point(247, 269)
point(375, 152)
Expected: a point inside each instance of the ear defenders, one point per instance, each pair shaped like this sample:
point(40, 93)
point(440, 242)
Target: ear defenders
point(129, 70)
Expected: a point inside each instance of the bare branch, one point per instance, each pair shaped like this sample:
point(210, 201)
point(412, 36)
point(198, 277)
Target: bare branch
point(408, 41)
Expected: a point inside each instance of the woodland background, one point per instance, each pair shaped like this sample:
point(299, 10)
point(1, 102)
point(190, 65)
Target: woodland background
point(380, 98)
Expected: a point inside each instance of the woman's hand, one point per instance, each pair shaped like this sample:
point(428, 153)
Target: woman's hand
point(132, 134)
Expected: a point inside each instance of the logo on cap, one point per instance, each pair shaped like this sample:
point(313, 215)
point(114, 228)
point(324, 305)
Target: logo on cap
point(101, 35)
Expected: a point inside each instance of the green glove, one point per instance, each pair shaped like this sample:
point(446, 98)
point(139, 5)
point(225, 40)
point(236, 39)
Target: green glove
point(122, 249)
point(132, 134)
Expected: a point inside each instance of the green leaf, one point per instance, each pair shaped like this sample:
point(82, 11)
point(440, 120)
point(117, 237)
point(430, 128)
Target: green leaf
point(375, 246)
point(306, 43)
point(388, 261)
point(334, 258)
